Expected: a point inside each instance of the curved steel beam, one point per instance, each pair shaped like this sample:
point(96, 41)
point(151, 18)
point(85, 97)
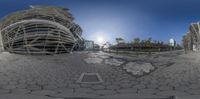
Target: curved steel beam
point(40, 21)
point(57, 25)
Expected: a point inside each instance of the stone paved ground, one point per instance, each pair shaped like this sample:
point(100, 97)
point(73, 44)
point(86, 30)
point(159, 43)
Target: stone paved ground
point(55, 77)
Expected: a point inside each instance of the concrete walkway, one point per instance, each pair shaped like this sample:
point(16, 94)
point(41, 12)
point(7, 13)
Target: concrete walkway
point(55, 77)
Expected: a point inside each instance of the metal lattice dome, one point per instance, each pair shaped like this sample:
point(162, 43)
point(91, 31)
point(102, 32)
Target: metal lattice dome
point(40, 30)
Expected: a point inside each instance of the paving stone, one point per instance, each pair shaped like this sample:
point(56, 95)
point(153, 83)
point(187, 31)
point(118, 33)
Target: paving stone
point(18, 74)
point(165, 88)
point(74, 95)
point(181, 88)
point(114, 62)
point(139, 86)
point(148, 91)
point(132, 95)
point(34, 87)
point(151, 86)
point(20, 91)
point(22, 96)
point(126, 81)
point(13, 83)
point(31, 83)
point(189, 97)
point(43, 92)
point(9, 87)
point(113, 87)
point(104, 56)
point(83, 90)
point(130, 90)
point(74, 85)
point(86, 85)
point(194, 91)
point(50, 87)
point(21, 86)
point(172, 93)
point(126, 85)
point(116, 83)
point(93, 55)
point(61, 85)
point(138, 68)
point(194, 86)
point(93, 60)
point(98, 87)
point(105, 92)
point(64, 90)
point(4, 91)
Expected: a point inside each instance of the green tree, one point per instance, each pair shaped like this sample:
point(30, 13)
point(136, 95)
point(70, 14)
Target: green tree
point(148, 41)
point(136, 40)
point(119, 40)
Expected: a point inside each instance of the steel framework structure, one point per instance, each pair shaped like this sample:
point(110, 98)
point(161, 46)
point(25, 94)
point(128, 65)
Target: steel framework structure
point(191, 40)
point(40, 30)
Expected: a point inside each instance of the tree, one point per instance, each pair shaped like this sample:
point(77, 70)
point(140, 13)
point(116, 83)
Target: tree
point(136, 40)
point(119, 40)
point(155, 41)
point(149, 40)
point(162, 43)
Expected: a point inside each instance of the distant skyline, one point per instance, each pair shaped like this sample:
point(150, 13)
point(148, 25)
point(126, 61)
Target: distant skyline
point(105, 20)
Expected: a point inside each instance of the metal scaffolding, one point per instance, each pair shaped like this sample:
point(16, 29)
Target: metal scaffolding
point(191, 40)
point(40, 30)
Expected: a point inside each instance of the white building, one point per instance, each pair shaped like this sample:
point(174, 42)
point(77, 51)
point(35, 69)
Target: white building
point(88, 44)
point(172, 42)
point(106, 45)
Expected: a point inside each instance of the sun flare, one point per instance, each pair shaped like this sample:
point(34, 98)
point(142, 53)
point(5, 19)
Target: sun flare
point(100, 39)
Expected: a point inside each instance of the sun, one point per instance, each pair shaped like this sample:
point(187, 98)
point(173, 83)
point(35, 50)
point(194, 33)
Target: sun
point(100, 39)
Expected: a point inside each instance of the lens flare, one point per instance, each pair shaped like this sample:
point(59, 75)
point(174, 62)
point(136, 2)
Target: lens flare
point(100, 39)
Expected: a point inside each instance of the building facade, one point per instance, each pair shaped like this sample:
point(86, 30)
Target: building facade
point(172, 42)
point(40, 30)
point(89, 45)
point(191, 41)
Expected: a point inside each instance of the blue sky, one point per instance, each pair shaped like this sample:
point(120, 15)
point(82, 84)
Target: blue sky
point(159, 19)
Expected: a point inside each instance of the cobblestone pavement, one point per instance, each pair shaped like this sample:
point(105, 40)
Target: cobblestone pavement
point(55, 77)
